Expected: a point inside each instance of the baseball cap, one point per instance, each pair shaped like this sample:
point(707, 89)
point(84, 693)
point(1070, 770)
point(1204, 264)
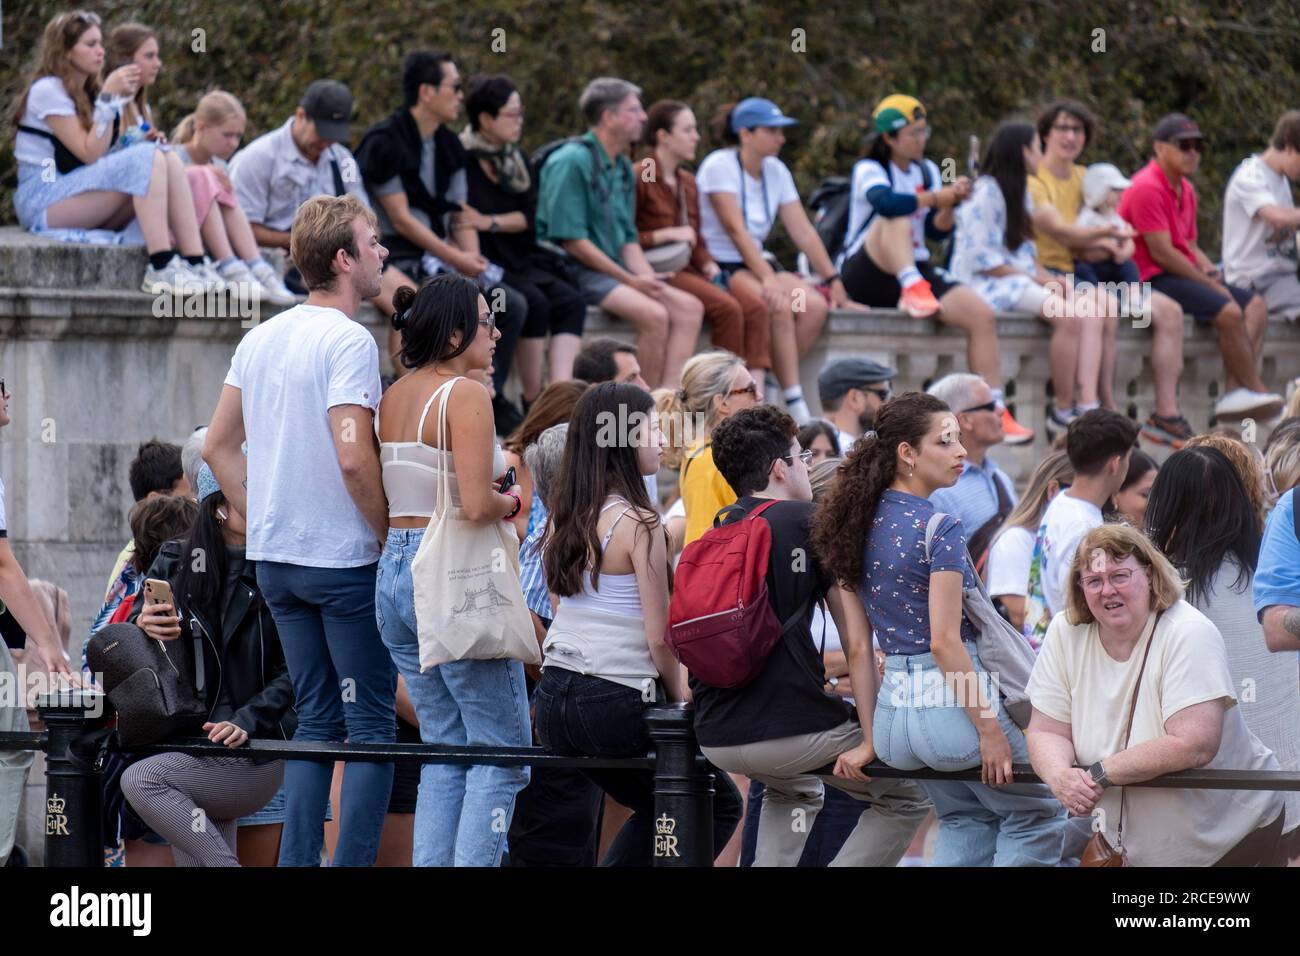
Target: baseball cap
point(843, 374)
point(1176, 126)
point(1099, 180)
point(756, 111)
point(896, 111)
point(328, 103)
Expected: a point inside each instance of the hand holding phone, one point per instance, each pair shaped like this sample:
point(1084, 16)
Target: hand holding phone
point(507, 480)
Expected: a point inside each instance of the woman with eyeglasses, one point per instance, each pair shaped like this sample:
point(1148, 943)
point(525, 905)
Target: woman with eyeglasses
point(994, 253)
point(897, 201)
point(502, 207)
point(1132, 682)
point(938, 707)
point(715, 385)
point(1199, 515)
point(71, 181)
point(1012, 552)
point(447, 332)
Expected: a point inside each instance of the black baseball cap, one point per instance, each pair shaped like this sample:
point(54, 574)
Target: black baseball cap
point(843, 374)
point(328, 104)
point(1176, 126)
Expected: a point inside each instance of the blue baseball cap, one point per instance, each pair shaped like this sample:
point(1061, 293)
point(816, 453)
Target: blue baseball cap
point(756, 111)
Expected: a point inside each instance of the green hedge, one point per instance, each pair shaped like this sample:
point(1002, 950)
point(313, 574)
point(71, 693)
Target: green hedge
point(1234, 66)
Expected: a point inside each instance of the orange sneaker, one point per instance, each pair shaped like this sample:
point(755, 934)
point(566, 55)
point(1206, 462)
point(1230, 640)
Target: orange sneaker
point(1016, 433)
point(918, 300)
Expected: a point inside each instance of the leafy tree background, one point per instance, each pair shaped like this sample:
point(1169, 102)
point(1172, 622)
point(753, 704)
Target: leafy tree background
point(1234, 66)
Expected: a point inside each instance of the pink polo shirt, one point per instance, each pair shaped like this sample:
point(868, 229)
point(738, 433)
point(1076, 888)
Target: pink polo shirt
point(1150, 205)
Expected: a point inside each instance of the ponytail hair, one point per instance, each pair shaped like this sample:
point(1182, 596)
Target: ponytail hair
point(214, 108)
point(721, 125)
point(688, 414)
point(841, 524)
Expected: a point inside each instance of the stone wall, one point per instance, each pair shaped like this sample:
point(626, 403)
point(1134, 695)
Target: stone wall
point(95, 369)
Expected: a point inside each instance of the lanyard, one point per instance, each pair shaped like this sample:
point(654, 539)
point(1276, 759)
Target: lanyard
point(762, 178)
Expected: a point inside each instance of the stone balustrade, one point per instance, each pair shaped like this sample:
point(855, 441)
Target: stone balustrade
point(96, 367)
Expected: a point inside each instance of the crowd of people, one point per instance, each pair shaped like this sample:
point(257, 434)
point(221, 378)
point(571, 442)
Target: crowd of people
point(316, 485)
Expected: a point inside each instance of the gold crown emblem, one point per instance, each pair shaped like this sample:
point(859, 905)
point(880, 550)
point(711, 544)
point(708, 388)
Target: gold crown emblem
point(665, 825)
point(55, 804)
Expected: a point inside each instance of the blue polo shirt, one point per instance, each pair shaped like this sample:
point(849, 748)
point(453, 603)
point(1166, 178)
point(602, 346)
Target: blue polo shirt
point(974, 496)
point(1277, 579)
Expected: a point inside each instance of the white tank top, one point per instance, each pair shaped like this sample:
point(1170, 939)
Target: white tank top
point(412, 470)
point(602, 633)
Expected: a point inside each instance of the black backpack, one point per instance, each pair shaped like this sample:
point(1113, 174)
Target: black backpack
point(149, 684)
point(830, 205)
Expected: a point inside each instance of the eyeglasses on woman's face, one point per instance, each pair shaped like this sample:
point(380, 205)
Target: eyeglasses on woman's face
point(751, 390)
point(1119, 580)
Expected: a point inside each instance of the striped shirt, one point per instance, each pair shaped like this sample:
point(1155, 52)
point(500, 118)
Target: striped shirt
point(531, 575)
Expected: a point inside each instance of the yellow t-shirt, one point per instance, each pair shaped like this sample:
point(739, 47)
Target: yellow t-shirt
point(1067, 196)
point(704, 490)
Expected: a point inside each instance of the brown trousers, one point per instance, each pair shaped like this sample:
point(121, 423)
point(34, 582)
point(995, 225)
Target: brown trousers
point(739, 322)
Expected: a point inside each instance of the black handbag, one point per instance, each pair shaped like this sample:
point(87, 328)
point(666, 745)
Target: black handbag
point(148, 683)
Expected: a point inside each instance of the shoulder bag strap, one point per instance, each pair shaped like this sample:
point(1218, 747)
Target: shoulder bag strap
point(1128, 727)
point(448, 463)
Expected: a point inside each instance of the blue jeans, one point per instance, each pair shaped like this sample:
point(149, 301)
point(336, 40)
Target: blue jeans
point(462, 813)
point(918, 725)
point(344, 687)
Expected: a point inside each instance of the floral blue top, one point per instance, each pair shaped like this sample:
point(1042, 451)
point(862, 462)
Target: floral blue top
point(896, 585)
point(979, 244)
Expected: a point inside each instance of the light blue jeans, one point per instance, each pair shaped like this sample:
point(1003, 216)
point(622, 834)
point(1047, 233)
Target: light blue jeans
point(918, 723)
point(462, 813)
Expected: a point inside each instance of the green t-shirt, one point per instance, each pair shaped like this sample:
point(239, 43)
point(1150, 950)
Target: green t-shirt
point(569, 206)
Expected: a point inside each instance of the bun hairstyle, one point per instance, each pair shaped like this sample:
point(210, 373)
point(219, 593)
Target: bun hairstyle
point(840, 525)
point(428, 319)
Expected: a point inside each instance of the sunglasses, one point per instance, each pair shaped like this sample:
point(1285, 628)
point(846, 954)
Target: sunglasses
point(1187, 145)
point(85, 16)
point(751, 390)
point(880, 393)
point(456, 87)
point(986, 407)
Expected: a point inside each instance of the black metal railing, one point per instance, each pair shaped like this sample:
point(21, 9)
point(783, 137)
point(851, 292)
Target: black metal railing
point(683, 780)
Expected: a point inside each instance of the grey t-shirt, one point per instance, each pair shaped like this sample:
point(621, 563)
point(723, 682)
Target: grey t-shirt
point(457, 192)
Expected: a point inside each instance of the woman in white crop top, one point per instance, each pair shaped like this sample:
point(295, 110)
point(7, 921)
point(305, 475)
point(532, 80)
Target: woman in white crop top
point(605, 555)
point(448, 334)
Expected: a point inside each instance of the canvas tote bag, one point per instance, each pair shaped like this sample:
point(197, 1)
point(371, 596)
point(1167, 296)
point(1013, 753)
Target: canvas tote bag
point(469, 604)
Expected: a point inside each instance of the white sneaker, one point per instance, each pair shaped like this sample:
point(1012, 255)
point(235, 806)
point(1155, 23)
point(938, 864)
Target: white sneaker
point(240, 281)
point(276, 292)
point(211, 278)
point(176, 277)
point(1244, 403)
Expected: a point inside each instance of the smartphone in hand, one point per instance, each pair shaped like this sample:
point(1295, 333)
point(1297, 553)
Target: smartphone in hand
point(507, 481)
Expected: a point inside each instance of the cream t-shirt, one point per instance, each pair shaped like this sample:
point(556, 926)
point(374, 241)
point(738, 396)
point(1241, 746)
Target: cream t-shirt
point(1076, 682)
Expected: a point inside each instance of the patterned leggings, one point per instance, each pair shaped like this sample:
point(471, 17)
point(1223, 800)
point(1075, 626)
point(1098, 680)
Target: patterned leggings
point(196, 802)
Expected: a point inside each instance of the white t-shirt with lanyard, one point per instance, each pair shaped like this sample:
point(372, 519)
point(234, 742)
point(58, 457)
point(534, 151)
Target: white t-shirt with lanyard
point(760, 199)
point(867, 175)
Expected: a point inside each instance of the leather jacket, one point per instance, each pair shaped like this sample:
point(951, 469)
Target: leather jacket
point(246, 648)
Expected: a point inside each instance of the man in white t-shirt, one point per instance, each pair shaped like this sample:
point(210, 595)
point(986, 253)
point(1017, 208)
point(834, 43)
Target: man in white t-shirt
point(302, 390)
point(1260, 219)
point(1098, 444)
point(43, 653)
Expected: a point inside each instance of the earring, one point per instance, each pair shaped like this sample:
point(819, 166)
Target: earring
point(911, 469)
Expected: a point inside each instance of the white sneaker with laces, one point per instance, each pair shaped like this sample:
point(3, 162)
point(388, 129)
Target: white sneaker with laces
point(275, 291)
point(211, 278)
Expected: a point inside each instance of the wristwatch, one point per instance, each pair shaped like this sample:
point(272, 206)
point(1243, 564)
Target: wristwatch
point(1098, 774)
point(495, 225)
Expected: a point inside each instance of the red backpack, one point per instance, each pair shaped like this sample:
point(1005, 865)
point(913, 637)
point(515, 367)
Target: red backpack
point(720, 622)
